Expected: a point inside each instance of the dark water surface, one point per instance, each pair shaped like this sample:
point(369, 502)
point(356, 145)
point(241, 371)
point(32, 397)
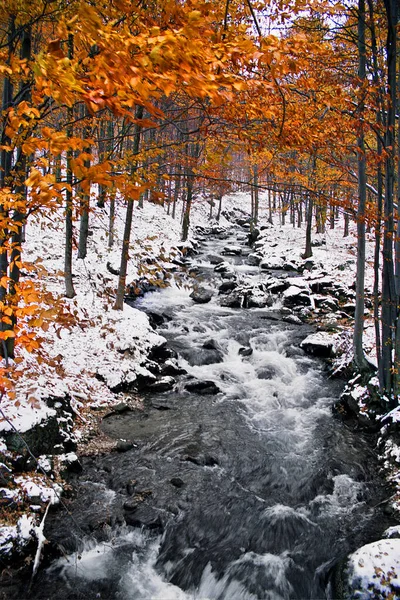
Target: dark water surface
point(252, 493)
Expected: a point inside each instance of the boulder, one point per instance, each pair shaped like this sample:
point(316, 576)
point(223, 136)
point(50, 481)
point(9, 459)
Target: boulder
point(232, 250)
point(370, 572)
point(257, 299)
point(124, 446)
point(295, 296)
point(233, 300)
point(162, 385)
point(202, 387)
point(143, 516)
point(323, 283)
point(276, 286)
point(214, 259)
point(201, 295)
point(227, 286)
point(272, 263)
point(253, 260)
point(171, 367)
point(319, 344)
point(222, 267)
point(231, 275)
point(245, 351)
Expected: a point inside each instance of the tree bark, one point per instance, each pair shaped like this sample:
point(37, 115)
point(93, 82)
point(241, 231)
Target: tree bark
point(389, 297)
point(119, 301)
point(359, 357)
point(69, 286)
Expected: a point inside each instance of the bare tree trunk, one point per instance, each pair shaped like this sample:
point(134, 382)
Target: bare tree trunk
point(111, 221)
point(346, 218)
point(389, 296)
point(379, 202)
point(308, 248)
point(359, 357)
point(219, 207)
point(119, 301)
point(84, 204)
point(69, 286)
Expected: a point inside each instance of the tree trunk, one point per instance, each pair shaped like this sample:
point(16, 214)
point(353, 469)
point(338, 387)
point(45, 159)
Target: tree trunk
point(119, 301)
point(85, 203)
point(111, 221)
point(346, 218)
point(359, 357)
point(308, 248)
point(389, 297)
point(69, 286)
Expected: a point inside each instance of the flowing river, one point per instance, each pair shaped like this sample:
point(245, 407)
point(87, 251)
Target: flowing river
point(251, 493)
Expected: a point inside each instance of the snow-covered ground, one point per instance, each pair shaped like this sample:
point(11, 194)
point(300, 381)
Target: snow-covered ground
point(105, 349)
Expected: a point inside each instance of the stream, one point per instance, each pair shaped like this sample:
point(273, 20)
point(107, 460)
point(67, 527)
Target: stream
point(254, 492)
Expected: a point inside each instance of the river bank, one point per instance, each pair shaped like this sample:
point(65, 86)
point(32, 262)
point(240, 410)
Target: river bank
point(297, 298)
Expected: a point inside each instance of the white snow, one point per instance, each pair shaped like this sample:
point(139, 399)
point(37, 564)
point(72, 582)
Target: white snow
point(373, 570)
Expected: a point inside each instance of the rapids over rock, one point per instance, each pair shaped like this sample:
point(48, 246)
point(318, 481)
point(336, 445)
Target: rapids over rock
point(244, 487)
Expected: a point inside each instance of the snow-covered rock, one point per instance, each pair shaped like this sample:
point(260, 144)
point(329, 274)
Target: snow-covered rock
point(296, 296)
point(373, 571)
point(319, 344)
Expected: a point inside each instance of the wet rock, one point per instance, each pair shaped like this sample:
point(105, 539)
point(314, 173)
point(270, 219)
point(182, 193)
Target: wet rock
point(258, 299)
point(294, 319)
point(349, 308)
point(124, 446)
point(211, 345)
point(177, 482)
point(201, 356)
point(295, 296)
point(155, 319)
point(201, 295)
point(245, 351)
point(253, 260)
point(130, 486)
point(161, 405)
point(267, 372)
point(290, 266)
point(202, 387)
point(162, 385)
point(319, 344)
point(227, 286)
point(244, 222)
point(205, 460)
point(214, 259)
point(222, 267)
point(144, 516)
point(52, 436)
point(162, 353)
point(231, 275)
point(319, 285)
point(253, 236)
point(153, 367)
point(272, 263)
point(232, 250)
point(307, 265)
point(171, 367)
point(233, 300)
point(276, 286)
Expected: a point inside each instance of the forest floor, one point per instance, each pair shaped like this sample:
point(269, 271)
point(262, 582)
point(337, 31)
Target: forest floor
point(84, 370)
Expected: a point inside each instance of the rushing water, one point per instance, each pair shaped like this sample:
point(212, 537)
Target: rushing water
point(253, 493)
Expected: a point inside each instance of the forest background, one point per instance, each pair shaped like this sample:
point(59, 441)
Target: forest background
point(117, 103)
